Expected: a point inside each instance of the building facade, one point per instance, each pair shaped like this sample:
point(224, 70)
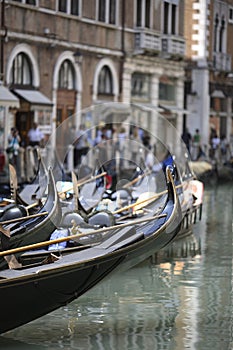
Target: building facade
point(209, 79)
point(62, 56)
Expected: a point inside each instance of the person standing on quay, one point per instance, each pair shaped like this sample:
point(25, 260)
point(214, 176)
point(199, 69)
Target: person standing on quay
point(13, 149)
point(136, 144)
point(196, 144)
point(187, 138)
point(35, 136)
point(81, 145)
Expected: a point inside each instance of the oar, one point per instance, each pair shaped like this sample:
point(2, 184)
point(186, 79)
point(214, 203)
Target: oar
point(23, 218)
point(32, 205)
point(83, 183)
point(92, 178)
point(8, 200)
point(137, 179)
point(68, 238)
point(138, 202)
point(85, 178)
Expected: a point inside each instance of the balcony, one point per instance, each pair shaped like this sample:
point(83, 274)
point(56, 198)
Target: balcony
point(222, 61)
point(173, 45)
point(147, 40)
point(155, 42)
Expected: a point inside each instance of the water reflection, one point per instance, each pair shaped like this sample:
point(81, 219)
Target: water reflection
point(181, 299)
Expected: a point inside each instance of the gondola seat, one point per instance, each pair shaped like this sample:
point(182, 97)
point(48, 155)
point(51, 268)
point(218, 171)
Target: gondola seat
point(68, 218)
point(12, 211)
point(123, 194)
point(102, 219)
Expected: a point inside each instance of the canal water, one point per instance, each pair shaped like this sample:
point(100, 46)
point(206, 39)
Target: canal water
point(182, 299)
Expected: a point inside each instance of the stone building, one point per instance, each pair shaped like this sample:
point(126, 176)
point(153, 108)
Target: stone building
point(62, 56)
point(208, 32)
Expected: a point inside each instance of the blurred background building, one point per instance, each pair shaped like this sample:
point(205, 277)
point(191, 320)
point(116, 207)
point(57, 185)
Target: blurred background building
point(59, 57)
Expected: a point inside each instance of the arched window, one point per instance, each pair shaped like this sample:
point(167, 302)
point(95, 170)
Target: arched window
point(21, 73)
point(105, 83)
point(221, 35)
point(216, 23)
point(66, 76)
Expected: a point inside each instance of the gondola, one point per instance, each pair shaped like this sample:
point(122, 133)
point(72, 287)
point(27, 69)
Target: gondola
point(190, 192)
point(31, 292)
point(91, 193)
point(85, 193)
point(76, 218)
point(16, 204)
point(34, 228)
point(124, 202)
point(33, 191)
point(189, 189)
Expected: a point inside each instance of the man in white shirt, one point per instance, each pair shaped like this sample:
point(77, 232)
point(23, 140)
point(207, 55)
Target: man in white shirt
point(35, 136)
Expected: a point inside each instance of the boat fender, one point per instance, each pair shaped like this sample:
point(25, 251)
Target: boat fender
point(13, 211)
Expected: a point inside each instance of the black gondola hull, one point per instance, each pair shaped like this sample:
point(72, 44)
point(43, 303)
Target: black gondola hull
point(31, 293)
point(36, 229)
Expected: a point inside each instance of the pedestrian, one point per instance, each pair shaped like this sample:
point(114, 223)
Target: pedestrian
point(98, 138)
point(121, 145)
point(196, 142)
point(35, 136)
point(150, 158)
point(81, 145)
point(201, 154)
point(146, 139)
point(135, 145)
point(215, 142)
point(12, 150)
point(102, 148)
point(187, 138)
point(224, 146)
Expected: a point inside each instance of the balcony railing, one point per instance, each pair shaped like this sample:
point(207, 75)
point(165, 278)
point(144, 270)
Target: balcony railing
point(222, 61)
point(173, 45)
point(147, 40)
point(157, 42)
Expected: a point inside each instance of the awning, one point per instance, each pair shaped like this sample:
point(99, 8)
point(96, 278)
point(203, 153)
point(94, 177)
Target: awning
point(173, 109)
point(218, 94)
point(147, 107)
point(35, 98)
point(112, 112)
point(7, 99)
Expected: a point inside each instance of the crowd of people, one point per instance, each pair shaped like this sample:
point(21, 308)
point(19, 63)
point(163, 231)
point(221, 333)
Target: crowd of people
point(130, 145)
point(218, 149)
point(15, 143)
point(109, 140)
